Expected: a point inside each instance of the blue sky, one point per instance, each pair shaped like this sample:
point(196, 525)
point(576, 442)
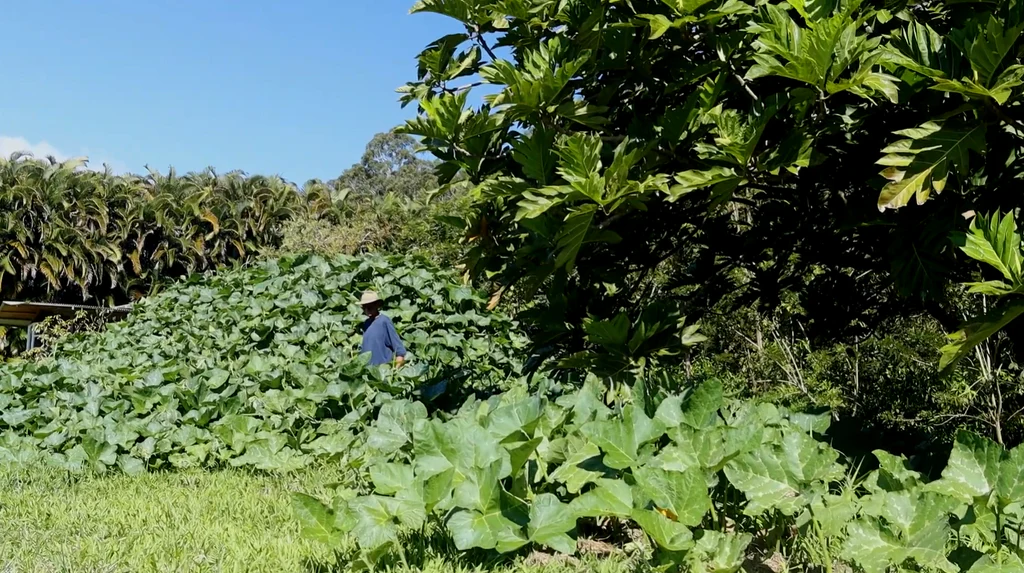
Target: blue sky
point(295, 88)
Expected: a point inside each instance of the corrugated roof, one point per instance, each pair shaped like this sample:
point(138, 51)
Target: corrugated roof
point(13, 313)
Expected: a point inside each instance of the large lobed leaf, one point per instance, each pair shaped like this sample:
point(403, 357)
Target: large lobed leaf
point(924, 161)
point(995, 242)
point(684, 494)
point(784, 476)
point(621, 439)
point(919, 531)
point(979, 468)
point(978, 330)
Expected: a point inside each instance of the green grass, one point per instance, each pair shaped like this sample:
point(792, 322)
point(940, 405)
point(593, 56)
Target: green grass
point(186, 521)
point(194, 521)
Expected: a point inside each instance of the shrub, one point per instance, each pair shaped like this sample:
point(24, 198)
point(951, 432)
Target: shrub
point(708, 480)
point(391, 224)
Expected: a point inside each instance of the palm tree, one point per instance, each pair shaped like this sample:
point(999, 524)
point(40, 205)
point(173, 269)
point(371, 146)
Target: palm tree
point(70, 233)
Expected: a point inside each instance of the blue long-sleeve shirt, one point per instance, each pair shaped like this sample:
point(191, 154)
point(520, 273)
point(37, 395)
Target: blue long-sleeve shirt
point(381, 340)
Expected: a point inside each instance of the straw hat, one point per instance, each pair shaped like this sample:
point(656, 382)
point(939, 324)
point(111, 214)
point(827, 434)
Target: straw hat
point(369, 297)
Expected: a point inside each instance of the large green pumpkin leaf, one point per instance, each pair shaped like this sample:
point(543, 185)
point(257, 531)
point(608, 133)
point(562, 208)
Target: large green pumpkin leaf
point(394, 426)
point(718, 552)
point(685, 493)
point(392, 478)
point(519, 417)
point(784, 476)
point(316, 520)
point(900, 476)
point(521, 452)
point(674, 457)
point(379, 519)
point(611, 497)
point(461, 445)
point(481, 488)
point(670, 412)
point(1003, 564)
point(973, 469)
point(978, 526)
point(811, 423)
point(1010, 487)
point(874, 549)
point(703, 404)
point(264, 454)
point(490, 530)
point(582, 466)
point(710, 448)
point(550, 522)
point(668, 534)
point(832, 513)
point(130, 465)
point(621, 439)
point(586, 404)
point(92, 454)
point(919, 529)
point(980, 469)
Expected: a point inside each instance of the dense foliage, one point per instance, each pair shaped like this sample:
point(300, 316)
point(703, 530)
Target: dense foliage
point(69, 234)
point(750, 163)
point(52, 329)
point(727, 150)
point(386, 203)
point(257, 367)
point(638, 161)
point(389, 165)
point(995, 242)
point(882, 389)
point(707, 479)
point(393, 224)
point(72, 234)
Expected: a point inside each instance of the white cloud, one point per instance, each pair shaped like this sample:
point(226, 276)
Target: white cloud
point(11, 144)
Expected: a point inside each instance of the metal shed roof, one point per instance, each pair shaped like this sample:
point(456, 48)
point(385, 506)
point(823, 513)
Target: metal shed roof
point(14, 313)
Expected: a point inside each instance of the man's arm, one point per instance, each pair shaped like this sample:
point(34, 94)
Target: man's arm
point(395, 342)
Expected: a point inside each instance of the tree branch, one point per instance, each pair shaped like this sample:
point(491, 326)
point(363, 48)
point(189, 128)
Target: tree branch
point(1003, 116)
point(462, 88)
point(478, 37)
point(771, 188)
point(611, 220)
point(743, 81)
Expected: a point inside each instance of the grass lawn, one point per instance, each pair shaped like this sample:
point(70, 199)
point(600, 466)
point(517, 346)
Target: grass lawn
point(184, 521)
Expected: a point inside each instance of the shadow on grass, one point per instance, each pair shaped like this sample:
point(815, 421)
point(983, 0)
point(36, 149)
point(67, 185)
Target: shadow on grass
point(434, 552)
point(422, 551)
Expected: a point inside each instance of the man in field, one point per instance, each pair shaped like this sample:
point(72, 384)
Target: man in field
point(380, 338)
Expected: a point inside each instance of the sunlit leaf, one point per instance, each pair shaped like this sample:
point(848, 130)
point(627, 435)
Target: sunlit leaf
point(924, 161)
